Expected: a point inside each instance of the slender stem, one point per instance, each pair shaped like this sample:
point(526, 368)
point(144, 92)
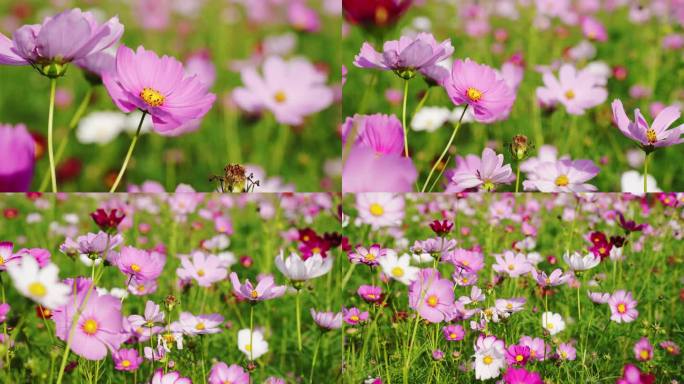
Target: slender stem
point(446, 149)
point(407, 363)
point(646, 173)
point(51, 153)
point(299, 321)
point(313, 360)
point(251, 332)
point(128, 155)
point(517, 178)
point(579, 308)
point(422, 101)
point(403, 118)
point(72, 124)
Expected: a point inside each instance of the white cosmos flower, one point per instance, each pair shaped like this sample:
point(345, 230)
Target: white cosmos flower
point(100, 127)
point(577, 262)
point(490, 357)
point(398, 268)
point(633, 182)
point(40, 285)
point(254, 349)
point(552, 322)
point(296, 269)
point(430, 119)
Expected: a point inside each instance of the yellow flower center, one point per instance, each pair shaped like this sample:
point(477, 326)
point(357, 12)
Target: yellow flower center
point(200, 272)
point(474, 94)
point(453, 336)
point(509, 306)
point(315, 250)
point(621, 308)
point(488, 360)
point(200, 326)
point(511, 267)
point(254, 294)
point(519, 358)
point(564, 355)
point(376, 209)
point(397, 272)
point(549, 325)
point(370, 257)
point(37, 289)
point(135, 268)
point(432, 300)
point(669, 348)
point(354, 318)
point(126, 363)
point(90, 326)
point(2, 261)
point(488, 185)
point(152, 97)
point(381, 15)
point(562, 181)
point(644, 354)
point(465, 280)
point(280, 97)
point(569, 94)
point(466, 263)
point(248, 347)
point(651, 136)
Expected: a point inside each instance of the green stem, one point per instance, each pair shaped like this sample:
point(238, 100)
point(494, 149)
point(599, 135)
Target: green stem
point(403, 118)
point(251, 331)
point(646, 172)
point(313, 360)
point(579, 308)
point(299, 321)
point(446, 149)
point(129, 154)
point(72, 125)
point(517, 178)
point(51, 153)
point(422, 101)
point(407, 363)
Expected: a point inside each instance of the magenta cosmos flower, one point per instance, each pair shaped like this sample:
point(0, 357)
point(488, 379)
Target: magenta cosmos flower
point(406, 55)
point(157, 86)
point(643, 350)
point(291, 90)
point(369, 256)
point(17, 158)
point(172, 377)
point(453, 332)
point(366, 171)
point(521, 376)
point(99, 326)
point(221, 373)
point(68, 36)
point(650, 137)
point(576, 90)
point(383, 133)
point(432, 296)
point(126, 359)
point(623, 307)
point(482, 173)
point(563, 176)
point(354, 316)
point(141, 264)
point(264, 290)
point(479, 86)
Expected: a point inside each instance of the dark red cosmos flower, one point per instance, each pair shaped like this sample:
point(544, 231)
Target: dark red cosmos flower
point(107, 220)
point(441, 227)
point(597, 238)
point(629, 225)
point(374, 13)
point(69, 169)
point(10, 213)
point(315, 245)
point(618, 241)
point(601, 247)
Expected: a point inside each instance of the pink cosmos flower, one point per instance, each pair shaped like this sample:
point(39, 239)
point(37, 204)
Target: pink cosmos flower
point(670, 346)
point(370, 293)
point(453, 332)
point(593, 29)
point(383, 133)
point(148, 325)
point(203, 268)
point(657, 135)
point(566, 351)
point(599, 297)
point(471, 261)
point(97, 64)
point(141, 264)
point(479, 86)
point(365, 171)
point(17, 157)
point(643, 350)
point(354, 316)
point(100, 324)
point(291, 90)
point(432, 296)
point(264, 290)
point(126, 359)
point(513, 264)
point(538, 349)
point(221, 373)
point(556, 278)
point(483, 173)
point(193, 325)
point(368, 256)
point(41, 255)
point(406, 55)
point(157, 86)
point(576, 90)
point(563, 176)
point(623, 307)
point(517, 354)
point(6, 255)
point(65, 37)
point(172, 377)
point(632, 375)
point(521, 376)
point(327, 320)
point(4, 310)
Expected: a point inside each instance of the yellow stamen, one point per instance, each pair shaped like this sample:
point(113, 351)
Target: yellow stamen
point(488, 360)
point(569, 94)
point(200, 272)
point(511, 267)
point(519, 358)
point(381, 15)
point(135, 268)
point(474, 94)
point(621, 308)
point(248, 347)
point(376, 209)
point(200, 326)
point(37, 289)
point(644, 354)
point(562, 181)
point(254, 294)
point(432, 300)
point(651, 136)
point(126, 363)
point(354, 318)
point(280, 97)
point(90, 326)
point(152, 97)
point(397, 272)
